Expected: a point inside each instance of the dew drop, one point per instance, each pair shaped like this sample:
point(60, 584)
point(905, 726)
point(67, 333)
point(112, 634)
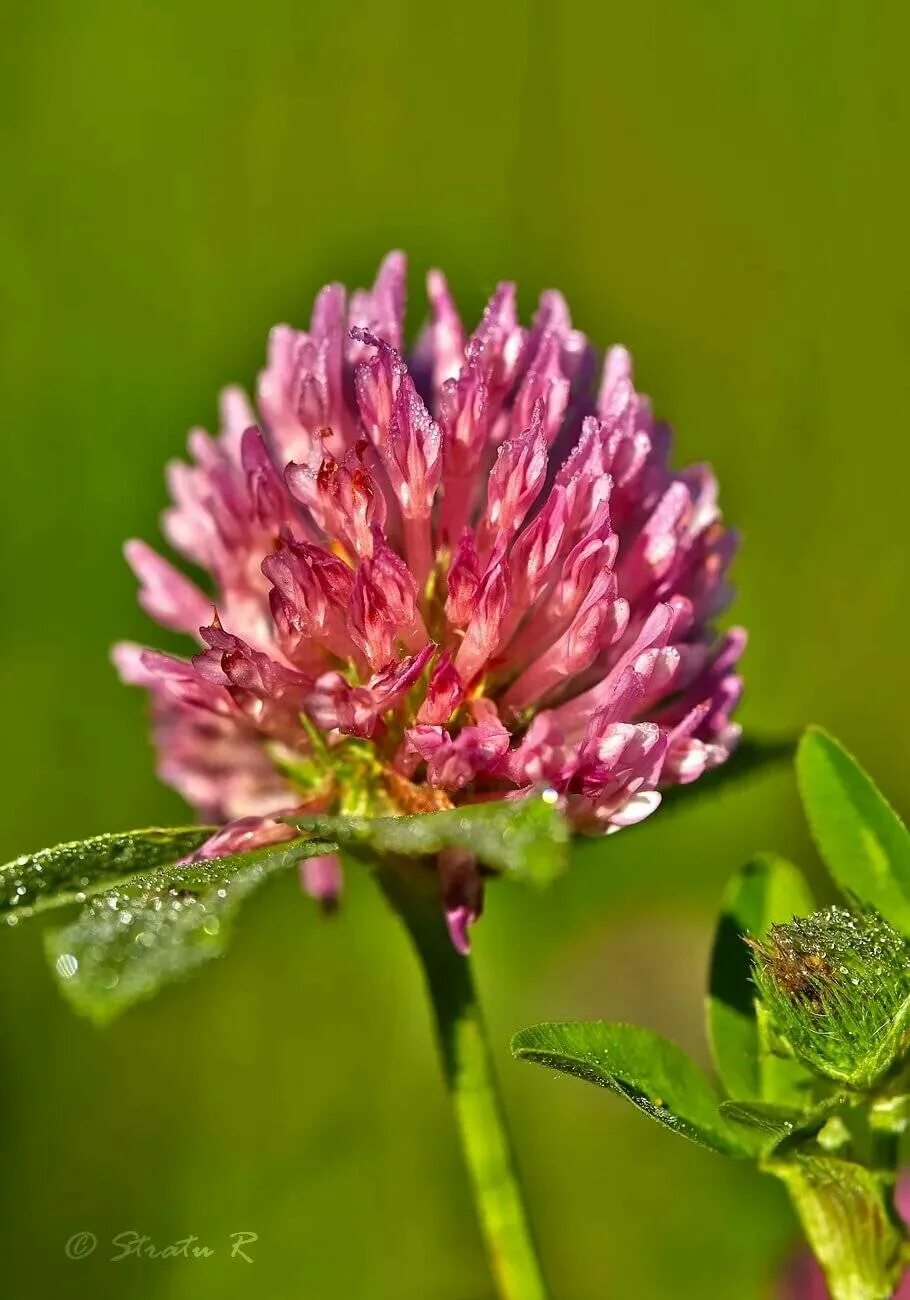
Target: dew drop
point(66, 965)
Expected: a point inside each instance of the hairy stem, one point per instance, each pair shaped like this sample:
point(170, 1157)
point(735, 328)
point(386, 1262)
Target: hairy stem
point(472, 1086)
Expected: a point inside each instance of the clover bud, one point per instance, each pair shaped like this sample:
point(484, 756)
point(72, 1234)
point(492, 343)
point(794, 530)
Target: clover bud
point(837, 987)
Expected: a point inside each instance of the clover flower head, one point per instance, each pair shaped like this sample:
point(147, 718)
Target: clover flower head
point(445, 575)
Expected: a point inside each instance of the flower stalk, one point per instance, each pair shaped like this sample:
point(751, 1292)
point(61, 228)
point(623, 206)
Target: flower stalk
point(847, 1214)
point(412, 890)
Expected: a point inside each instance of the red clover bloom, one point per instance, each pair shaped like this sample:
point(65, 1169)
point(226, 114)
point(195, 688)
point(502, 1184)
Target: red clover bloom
point(437, 577)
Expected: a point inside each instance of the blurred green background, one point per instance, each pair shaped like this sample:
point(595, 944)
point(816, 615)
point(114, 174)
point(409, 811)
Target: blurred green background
point(717, 185)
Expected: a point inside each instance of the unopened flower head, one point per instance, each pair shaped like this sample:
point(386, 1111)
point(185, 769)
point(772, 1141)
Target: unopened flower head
point(837, 986)
point(437, 576)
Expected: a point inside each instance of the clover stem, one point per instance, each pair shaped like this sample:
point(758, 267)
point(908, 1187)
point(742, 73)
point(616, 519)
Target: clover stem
point(888, 1119)
point(471, 1083)
point(847, 1215)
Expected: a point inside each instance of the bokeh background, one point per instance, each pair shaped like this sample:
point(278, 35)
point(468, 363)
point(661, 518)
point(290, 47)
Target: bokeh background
point(718, 186)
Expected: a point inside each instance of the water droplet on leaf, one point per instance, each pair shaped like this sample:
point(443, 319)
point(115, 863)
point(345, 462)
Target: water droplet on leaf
point(66, 965)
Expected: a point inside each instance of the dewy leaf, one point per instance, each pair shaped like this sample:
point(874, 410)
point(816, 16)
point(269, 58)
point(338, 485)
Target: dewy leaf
point(69, 872)
point(764, 891)
point(158, 926)
point(863, 841)
point(525, 838)
point(652, 1073)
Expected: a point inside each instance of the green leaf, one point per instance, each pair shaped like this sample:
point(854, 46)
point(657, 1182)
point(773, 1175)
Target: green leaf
point(862, 840)
point(525, 838)
point(652, 1073)
point(70, 872)
point(159, 926)
point(764, 891)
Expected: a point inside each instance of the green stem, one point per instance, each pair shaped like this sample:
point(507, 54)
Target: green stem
point(888, 1118)
point(471, 1082)
point(845, 1212)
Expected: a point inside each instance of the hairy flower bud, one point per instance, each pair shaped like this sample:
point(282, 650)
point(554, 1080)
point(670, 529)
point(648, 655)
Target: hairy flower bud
point(837, 986)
